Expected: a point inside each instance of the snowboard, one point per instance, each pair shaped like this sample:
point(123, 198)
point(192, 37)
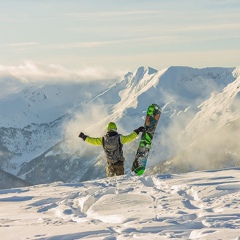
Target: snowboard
point(151, 121)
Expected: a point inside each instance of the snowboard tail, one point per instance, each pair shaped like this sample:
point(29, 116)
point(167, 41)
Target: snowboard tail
point(151, 121)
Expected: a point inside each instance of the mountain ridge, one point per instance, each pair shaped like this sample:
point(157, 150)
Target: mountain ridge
point(11, 181)
point(180, 91)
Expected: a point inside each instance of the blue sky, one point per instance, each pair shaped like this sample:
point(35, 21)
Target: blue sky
point(120, 34)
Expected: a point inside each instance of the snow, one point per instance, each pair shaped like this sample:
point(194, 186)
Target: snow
point(44, 104)
point(220, 108)
point(43, 119)
point(198, 205)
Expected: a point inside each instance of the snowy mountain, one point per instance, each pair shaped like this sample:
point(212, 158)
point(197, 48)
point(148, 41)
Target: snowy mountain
point(197, 205)
point(40, 124)
point(213, 134)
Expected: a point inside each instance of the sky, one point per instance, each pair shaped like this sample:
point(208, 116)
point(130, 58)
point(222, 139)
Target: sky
point(120, 35)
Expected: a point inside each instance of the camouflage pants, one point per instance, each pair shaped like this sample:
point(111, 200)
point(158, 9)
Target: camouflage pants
point(116, 169)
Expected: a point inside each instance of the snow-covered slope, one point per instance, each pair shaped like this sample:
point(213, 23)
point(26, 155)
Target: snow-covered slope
point(198, 205)
point(46, 103)
point(211, 136)
point(218, 110)
point(40, 125)
point(10, 181)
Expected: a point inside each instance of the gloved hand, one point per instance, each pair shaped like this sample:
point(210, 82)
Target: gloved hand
point(83, 136)
point(140, 129)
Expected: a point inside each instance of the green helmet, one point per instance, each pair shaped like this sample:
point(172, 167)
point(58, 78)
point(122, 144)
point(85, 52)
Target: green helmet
point(111, 126)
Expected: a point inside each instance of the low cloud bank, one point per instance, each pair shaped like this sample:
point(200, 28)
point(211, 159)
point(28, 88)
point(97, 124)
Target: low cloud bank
point(14, 78)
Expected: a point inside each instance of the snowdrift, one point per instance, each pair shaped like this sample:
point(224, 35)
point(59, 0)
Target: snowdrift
point(200, 205)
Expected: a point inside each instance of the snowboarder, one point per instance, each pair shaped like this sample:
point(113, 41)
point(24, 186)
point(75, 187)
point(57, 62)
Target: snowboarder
point(112, 143)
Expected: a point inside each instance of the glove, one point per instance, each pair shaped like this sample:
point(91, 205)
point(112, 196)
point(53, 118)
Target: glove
point(140, 129)
point(83, 136)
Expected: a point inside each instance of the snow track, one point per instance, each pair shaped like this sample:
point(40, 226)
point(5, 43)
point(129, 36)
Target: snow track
point(199, 205)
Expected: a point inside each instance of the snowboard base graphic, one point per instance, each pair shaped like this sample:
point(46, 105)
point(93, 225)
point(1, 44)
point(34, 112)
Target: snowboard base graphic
point(151, 121)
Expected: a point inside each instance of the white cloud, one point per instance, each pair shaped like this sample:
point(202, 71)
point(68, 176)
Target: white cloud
point(23, 44)
point(136, 40)
point(209, 27)
point(92, 121)
point(14, 78)
point(111, 14)
point(31, 72)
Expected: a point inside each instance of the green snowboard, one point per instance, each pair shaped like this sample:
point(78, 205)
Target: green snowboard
point(151, 121)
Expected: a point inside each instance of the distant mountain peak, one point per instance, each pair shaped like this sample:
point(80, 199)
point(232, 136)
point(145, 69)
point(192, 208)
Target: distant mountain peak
point(236, 72)
point(139, 74)
point(141, 71)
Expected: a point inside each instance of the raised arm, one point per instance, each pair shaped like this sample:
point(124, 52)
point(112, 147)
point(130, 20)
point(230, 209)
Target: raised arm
point(91, 140)
point(132, 136)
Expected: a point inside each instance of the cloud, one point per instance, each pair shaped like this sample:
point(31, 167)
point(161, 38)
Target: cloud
point(31, 72)
point(23, 44)
point(13, 78)
point(136, 40)
point(83, 45)
point(211, 142)
point(209, 27)
point(111, 14)
point(215, 149)
point(92, 121)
